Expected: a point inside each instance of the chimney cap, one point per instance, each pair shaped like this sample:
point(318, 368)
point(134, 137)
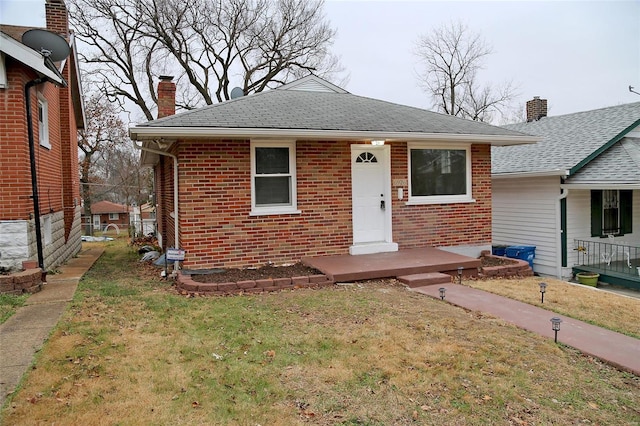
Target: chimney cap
point(166, 77)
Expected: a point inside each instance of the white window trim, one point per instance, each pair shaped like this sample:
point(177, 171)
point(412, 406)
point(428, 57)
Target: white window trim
point(273, 210)
point(440, 199)
point(43, 127)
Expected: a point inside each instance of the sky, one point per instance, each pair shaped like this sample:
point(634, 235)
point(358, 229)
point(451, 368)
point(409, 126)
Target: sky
point(579, 55)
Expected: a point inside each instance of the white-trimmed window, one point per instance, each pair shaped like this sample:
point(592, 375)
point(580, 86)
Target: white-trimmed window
point(439, 174)
point(43, 122)
point(273, 177)
point(114, 216)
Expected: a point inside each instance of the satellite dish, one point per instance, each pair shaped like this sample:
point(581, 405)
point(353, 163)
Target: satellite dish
point(50, 45)
point(237, 92)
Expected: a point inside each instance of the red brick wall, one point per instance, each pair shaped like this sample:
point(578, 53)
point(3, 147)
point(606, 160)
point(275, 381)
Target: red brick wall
point(14, 150)
point(15, 201)
point(444, 224)
point(215, 202)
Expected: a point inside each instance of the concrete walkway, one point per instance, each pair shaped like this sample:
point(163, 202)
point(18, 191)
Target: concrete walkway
point(22, 335)
point(613, 348)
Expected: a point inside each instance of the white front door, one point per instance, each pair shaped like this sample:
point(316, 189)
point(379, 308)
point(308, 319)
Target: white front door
point(371, 190)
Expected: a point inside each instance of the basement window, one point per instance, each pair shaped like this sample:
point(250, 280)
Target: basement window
point(273, 178)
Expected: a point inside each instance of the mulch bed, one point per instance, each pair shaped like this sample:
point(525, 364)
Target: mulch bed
point(265, 272)
point(295, 270)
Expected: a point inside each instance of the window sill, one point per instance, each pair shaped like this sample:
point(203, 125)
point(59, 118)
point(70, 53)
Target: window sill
point(440, 201)
point(46, 145)
point(273, 212)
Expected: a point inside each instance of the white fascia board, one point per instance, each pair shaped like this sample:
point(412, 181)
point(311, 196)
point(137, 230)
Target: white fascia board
point(27, 56)
point(146, 133)
point(515, 175)
point(601, 185)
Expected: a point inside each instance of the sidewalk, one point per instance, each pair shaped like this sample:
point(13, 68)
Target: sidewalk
point(613, 348)
point(22, 335)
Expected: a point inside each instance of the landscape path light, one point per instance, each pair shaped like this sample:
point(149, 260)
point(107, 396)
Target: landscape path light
point(543, 288)
point(555, 326)
point(442, 291)
point(460, 268)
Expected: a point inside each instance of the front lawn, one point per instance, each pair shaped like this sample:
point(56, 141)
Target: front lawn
point(131, 351)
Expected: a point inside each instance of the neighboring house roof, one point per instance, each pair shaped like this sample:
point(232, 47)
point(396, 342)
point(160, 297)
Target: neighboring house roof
point(587, 146)
point(313, 108)
point(104, 207)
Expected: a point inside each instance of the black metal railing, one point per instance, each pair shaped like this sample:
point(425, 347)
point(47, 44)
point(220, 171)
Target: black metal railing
point(609, 256)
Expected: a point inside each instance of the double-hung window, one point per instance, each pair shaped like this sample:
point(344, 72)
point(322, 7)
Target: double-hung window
point(439, 174)
point(611, 212)
point(43, 122)
point(273, 178)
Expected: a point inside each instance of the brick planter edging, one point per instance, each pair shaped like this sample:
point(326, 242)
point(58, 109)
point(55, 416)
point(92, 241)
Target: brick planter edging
point(520, 268)
point(29, 281)
point(185, 283)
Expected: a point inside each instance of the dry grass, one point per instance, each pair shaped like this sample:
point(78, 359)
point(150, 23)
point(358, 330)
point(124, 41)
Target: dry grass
point(128, 351)
point(581, 302)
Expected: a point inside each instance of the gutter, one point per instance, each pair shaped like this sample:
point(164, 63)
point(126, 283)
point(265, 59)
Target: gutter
point(546, 173)
point(153, 132)
point(175, 192)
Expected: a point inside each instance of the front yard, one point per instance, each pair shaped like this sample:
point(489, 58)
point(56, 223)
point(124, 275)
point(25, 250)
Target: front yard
point(129, 350)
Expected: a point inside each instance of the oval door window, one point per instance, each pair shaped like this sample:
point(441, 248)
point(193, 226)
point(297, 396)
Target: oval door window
point(366, 157)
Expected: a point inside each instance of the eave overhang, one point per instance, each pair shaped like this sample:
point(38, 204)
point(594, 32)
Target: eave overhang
point(146, 133)
point(544, 173)
point(31, 59)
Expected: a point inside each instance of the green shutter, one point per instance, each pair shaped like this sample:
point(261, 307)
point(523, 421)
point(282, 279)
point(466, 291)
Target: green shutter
point(596, 213)
point(626, 216)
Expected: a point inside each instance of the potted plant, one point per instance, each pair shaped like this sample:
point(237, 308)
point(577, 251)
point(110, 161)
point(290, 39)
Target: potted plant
point(588, 278)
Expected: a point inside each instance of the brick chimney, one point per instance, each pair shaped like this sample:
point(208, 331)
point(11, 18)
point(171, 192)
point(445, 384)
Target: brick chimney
point(57, 17)
point(536, 109)
point(166, 96)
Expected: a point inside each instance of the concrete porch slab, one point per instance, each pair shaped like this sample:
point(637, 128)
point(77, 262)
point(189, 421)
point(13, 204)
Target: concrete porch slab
point(392, 264)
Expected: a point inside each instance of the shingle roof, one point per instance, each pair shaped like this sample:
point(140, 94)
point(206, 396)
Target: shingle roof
point(619, 164)
point(103, 207)
point(568, 140)
point(286, 108)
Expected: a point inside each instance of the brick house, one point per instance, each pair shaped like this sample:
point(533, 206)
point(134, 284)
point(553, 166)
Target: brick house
point(56, 108)
point(105, 213)
point(309, 169)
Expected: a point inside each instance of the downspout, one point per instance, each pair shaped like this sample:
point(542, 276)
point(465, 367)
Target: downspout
point(34, 176)
point(175, 193)
point(561, 231)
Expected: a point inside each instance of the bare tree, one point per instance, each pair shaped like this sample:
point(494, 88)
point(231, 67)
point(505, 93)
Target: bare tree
point(209, 45)
point(451, 57)
point(108, 164)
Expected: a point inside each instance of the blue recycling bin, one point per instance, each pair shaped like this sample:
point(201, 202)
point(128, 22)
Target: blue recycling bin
point(526, 253)
point(498, 250)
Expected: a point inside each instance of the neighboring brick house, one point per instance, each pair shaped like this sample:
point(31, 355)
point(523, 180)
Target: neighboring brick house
point(57, 112)
point(105, 213)
point(309, 169)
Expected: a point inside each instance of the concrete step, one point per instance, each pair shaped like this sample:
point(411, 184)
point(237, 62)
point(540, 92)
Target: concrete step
point(428, 278)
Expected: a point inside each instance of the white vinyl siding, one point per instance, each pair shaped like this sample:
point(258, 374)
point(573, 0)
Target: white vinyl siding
point(525, 212)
